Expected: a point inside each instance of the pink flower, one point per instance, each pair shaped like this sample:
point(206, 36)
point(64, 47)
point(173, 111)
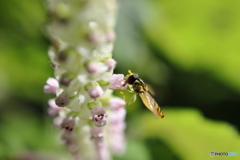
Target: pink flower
point(68, 124)
point(57, 121)
point(62, 100)
point(53, 108)
point(116, 103)
point(117, 143)
point(116, 120)
point(117, 115)
point(95, 91)
point(69, 139)
point(97, 134)
point(117, 125)
point(99, 116)
point(117, 81)
point(52, 86)
point(103, 153)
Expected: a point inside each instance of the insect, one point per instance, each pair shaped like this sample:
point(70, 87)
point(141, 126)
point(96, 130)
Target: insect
point(139, 87)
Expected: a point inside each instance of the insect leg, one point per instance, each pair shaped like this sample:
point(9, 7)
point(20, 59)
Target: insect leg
point(132, 99)
point(124, 97)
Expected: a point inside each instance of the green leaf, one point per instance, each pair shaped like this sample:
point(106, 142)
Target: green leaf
point(189, 134)
point(135, 150)
point(198, 35)
point(21, 132)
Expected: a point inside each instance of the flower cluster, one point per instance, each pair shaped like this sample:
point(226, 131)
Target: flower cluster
point(82, 39)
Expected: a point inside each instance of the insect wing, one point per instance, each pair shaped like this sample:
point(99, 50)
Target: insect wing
point(151, 104)
point(150, 90)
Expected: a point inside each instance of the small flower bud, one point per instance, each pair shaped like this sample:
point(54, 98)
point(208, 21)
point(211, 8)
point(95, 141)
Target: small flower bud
point(92, 67)
point(62, 10)
point(99, 116)
point(111, 63)
point(62, 56)
point(56, 41)
point(95, 91)
point(94, 37)
point(110, 36)
point(65, 81)
point(52, 86)
point(62, 100)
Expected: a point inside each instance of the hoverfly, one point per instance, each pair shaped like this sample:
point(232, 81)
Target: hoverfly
point(138, 86)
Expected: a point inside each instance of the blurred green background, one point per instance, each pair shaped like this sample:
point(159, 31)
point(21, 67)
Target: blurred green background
point(188, 51)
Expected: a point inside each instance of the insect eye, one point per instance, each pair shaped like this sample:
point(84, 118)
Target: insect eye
point(131, 79)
